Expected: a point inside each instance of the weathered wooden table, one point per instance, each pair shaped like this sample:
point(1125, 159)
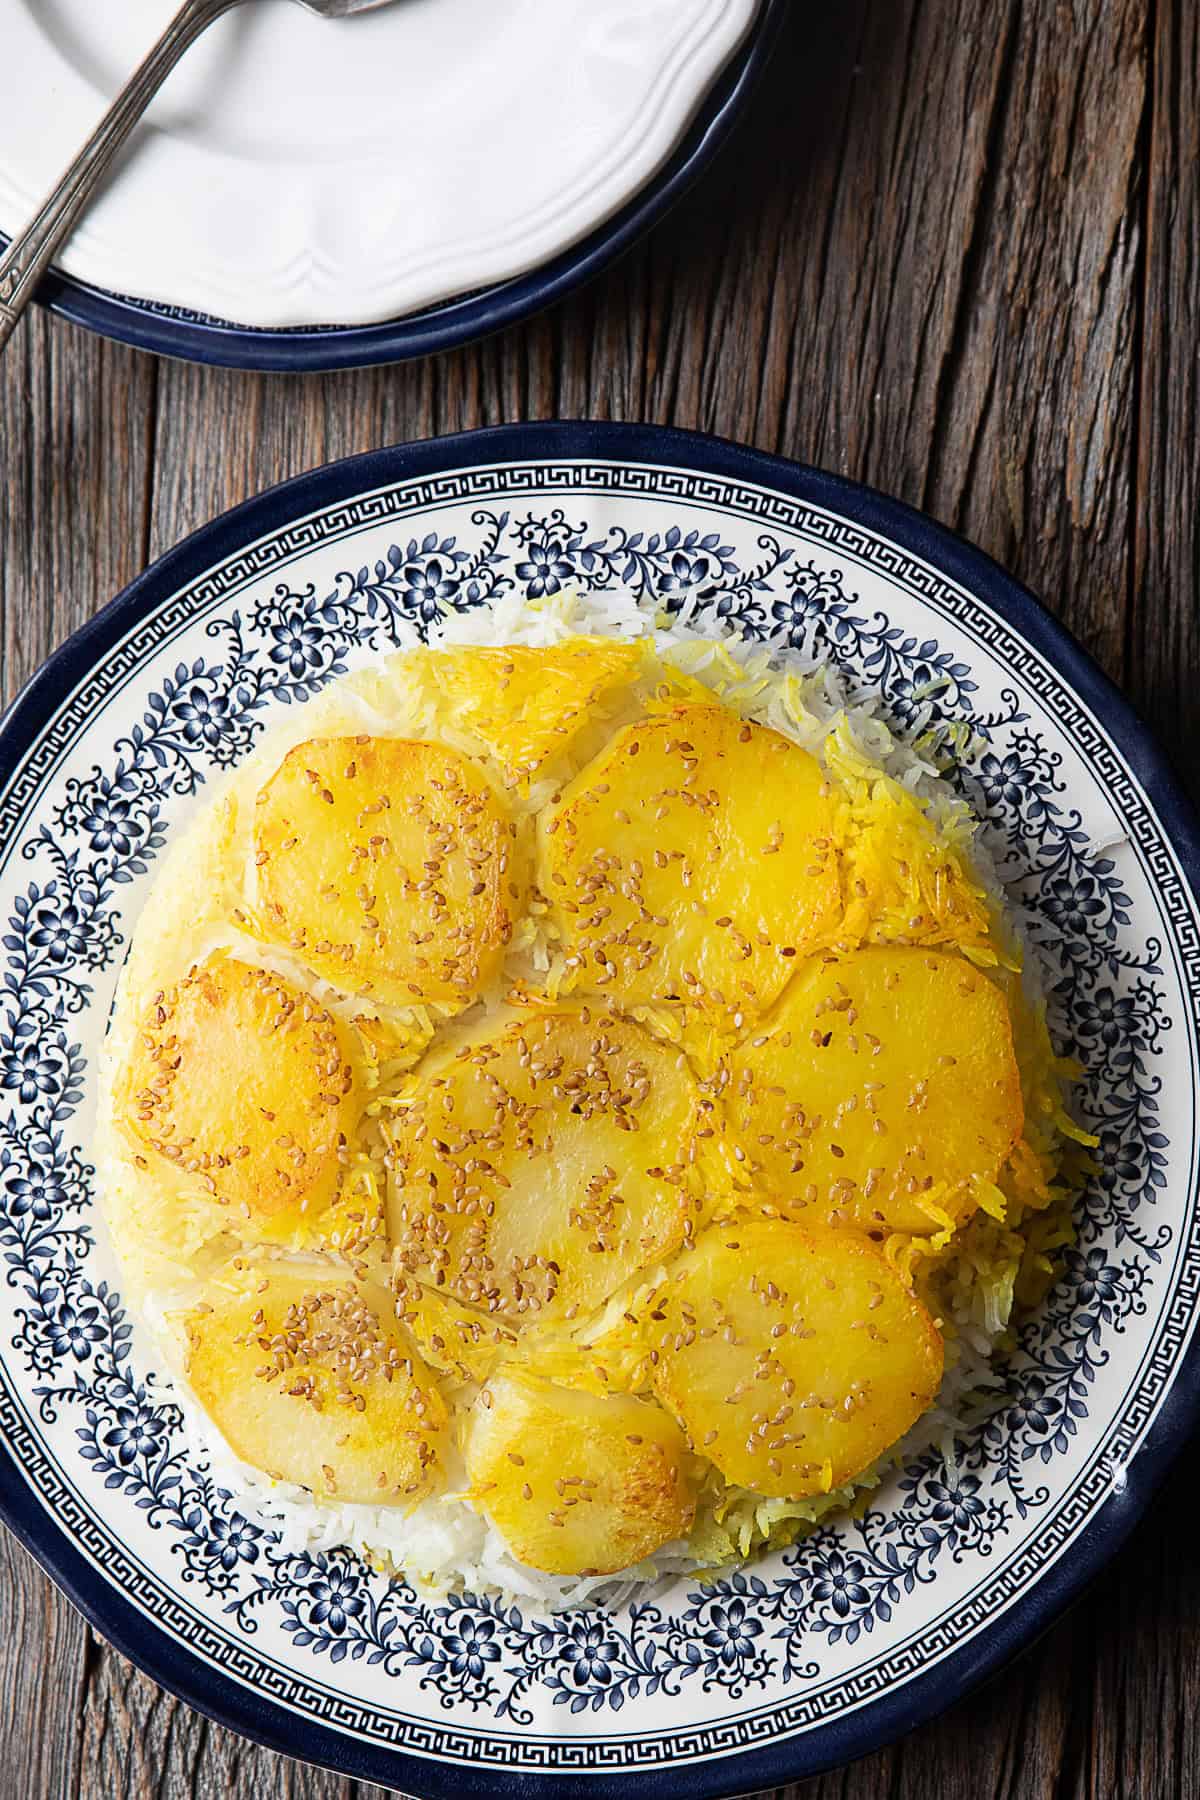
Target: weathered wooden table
point(954, 251)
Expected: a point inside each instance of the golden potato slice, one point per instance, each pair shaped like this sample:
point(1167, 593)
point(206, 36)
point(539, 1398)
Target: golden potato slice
point(528, 704)
point(883, 1084)
point(387, 866)
point(793, 1355)
point(577, 1483)
point(246, 1087)
point(692, 860)
point(533, 1170)
point(308, 1376)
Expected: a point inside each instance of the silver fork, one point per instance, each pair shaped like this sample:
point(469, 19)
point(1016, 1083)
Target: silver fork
point(32, 250)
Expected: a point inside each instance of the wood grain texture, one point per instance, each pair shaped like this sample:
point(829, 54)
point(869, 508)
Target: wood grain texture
point(955, 252)
point(1164, 621)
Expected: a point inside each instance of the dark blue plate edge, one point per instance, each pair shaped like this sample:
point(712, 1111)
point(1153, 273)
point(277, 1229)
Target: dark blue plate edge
point(451, 323)
point(879, 1722)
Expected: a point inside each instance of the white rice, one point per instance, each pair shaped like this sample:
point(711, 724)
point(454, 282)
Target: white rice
point(444, 1542)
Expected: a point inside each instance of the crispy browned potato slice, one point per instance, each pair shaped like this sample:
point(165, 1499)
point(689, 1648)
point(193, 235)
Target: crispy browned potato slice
point(534, 1169)
point(244, 1086)
point(528, 704)
point(577, 1483)
point(882, 1085)
point(387, 866)
point(308, 1376)
point(693, 860)
point(793, 1355)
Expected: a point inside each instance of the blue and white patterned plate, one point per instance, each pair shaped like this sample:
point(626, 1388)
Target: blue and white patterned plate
point(811, 1656)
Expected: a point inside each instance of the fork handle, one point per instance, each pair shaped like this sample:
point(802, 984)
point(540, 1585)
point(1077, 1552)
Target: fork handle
point(32, 250)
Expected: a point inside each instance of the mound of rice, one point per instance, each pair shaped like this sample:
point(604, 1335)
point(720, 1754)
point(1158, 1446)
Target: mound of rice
point(1001, 1260)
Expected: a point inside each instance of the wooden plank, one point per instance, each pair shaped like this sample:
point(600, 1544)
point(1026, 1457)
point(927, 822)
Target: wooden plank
point(1144, 1735)
point(139, 1743)
point(75, 451)
point(1164, 619)
point(43, 1674)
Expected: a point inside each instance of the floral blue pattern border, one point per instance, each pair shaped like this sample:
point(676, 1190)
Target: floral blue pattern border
point(846, 1580)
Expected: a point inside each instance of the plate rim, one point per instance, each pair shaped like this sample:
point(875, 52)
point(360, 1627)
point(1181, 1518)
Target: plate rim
point(449, 324)
point(879, 1721)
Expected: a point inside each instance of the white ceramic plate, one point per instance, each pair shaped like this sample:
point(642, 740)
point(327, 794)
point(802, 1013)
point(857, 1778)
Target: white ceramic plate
point(299, 172)
point(811, 1655)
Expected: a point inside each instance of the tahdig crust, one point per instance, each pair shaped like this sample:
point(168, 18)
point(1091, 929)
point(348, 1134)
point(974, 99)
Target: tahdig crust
point(463, 1105)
